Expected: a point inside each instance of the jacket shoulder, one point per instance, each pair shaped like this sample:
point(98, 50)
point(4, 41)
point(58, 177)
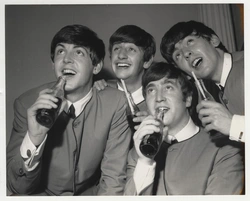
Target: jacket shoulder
point(112, 95)
point(29, 97)
point(112, 83)
point(238, 55)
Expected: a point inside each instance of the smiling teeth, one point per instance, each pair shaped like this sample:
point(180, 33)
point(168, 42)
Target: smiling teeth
point(196, 62)
point(122, 65)
point(68, 71)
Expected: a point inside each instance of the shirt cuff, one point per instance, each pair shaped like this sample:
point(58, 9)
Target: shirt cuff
point(143, 175)
point(30, 153)
point(237, 129)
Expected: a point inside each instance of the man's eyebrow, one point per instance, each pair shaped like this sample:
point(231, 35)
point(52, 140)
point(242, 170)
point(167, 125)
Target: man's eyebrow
point(60, 45)
point(75, 46)
point(170, 80)
point(150, 85)
point(80, 46)
point(175, 48)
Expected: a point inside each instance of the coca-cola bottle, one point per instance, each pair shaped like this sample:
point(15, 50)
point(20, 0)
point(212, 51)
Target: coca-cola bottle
point(151, 143)
point(131, 111)
point(203, 94)
point(47, 117)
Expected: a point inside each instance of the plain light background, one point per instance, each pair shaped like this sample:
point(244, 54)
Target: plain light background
point(29, 30)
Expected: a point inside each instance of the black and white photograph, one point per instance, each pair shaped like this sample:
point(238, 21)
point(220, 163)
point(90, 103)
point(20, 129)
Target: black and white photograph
point(124, 100)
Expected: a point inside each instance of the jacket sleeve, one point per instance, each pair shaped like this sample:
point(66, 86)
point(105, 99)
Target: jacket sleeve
point(20, 181)
point(130, 188)
point(227, 176)
point(113, 165)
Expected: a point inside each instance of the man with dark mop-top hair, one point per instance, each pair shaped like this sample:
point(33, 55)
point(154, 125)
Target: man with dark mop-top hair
point(85, 151)
point(188, 162)
point(192, 46)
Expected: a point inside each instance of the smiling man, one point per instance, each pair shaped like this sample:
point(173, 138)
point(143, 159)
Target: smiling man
point(81, 154)
point(188, 162)
point(132, 51)
point(192, 46)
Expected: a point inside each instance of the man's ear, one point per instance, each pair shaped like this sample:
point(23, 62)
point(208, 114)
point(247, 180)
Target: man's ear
point(98, 68)
point(53, 65)
point(148, 63)
point(188, 101)
point(215, 41)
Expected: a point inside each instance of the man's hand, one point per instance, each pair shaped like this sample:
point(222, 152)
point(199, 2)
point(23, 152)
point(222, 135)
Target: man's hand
point(36, 131)
point(148, 126)
point(140, 116)
point(100, 84)
point(214, 116)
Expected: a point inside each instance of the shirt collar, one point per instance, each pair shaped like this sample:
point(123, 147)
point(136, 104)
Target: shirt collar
point(227, 65)
point(80, 104)
point(185, 133)
point(137, 95)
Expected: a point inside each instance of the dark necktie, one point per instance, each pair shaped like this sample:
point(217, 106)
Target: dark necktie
point(221, 88)
point(71, 111)
point(174, 141)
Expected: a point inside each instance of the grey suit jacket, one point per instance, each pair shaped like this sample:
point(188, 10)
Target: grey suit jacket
point(89, 151)
point(233, 95)
point(196, 166)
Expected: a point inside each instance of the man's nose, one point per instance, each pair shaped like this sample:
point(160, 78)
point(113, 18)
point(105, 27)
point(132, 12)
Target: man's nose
point(160, 96)
point(187, 54)
point(122, 54)
point(68, 58)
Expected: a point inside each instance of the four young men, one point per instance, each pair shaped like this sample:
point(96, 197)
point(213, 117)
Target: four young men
point(87, 154)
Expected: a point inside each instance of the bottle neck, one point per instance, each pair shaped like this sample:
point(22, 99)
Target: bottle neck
point(59, 87)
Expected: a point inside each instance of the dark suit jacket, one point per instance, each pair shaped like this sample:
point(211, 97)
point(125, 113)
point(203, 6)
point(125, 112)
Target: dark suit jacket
point(78, 154)
point(196, 166)
point(233, 95)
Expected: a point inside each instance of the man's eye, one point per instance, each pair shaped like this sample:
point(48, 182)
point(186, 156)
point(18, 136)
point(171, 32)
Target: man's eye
point(169, 87)
point(131, 49)
point(150, 90)
point(176, 56)
point(79, 52)
point(190, 41)
point(60, 51)
point(115, 48)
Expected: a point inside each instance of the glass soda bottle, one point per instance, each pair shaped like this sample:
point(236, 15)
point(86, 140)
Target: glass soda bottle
point(203, 94)
point(151, 143)
point(47, 117)
point(131, 111)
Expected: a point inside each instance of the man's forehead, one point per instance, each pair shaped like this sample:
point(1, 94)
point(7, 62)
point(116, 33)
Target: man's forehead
point(62, 44)
point(164, 80)
point(179, 43)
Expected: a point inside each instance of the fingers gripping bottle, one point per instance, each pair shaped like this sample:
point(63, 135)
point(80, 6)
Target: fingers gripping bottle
point(203, 94)
point(47, 117)
point(151, 143)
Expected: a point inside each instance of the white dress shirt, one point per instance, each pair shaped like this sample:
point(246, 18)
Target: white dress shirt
point(32, 154)
point(237, 129)
point(144, 173)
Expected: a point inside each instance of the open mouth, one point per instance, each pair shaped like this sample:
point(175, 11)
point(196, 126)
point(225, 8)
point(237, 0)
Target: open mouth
point(123, 65)
point(68, 72)
point(197, 62)
point(163, 108)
